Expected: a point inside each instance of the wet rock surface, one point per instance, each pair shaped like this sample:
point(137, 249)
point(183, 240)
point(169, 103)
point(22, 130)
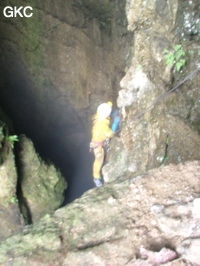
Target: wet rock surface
point(147, 220)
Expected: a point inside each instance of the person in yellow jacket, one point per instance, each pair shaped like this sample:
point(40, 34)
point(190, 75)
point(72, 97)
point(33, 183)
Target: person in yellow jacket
point(100, 132)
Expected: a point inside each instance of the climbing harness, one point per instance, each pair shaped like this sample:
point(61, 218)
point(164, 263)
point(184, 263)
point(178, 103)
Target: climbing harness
point(95, 145)
point(160, 98)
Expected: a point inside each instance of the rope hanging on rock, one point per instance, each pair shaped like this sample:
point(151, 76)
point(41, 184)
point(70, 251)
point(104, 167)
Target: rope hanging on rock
point(161, 98)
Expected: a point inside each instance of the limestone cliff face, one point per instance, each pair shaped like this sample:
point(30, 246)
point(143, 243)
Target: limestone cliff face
point(169, 131)
point(55, 68)
point(10, 216)
point(61, 63)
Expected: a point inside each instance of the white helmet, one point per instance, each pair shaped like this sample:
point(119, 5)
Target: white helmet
point(104, 110)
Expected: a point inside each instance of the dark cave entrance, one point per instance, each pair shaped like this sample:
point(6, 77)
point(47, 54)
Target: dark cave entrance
point(65, 141)
point(38, 90)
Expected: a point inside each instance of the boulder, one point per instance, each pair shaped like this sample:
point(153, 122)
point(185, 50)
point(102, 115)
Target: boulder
point(143, 220)
point(42, 186)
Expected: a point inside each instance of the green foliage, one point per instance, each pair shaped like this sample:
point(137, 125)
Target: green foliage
point(13, 199)
point(12, 139)
point(175, 58)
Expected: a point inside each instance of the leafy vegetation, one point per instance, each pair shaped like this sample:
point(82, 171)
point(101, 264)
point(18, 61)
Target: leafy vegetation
point(13, 199)
point(12, 139)
point(176, 57)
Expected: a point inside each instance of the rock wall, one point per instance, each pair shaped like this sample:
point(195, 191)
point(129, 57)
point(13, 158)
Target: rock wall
point(58, 65)
point(55, 68)
point(11, 220)
point(61, 63)
point(10, 216)
point(29, 187)
point(169, 131)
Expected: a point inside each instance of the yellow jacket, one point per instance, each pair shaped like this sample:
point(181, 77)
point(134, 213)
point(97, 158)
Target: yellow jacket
point(101, 130)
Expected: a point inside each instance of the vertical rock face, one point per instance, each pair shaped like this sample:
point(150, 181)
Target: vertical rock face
point(61, 62)
point(10, 216)
point(169, 131)
point(58, 66)
point(187, 23)
point(68, 56)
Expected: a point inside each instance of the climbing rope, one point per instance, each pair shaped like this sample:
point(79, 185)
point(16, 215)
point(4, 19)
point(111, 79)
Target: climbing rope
point(160, 98)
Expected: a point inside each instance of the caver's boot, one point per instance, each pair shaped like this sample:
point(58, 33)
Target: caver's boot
point(98, 182)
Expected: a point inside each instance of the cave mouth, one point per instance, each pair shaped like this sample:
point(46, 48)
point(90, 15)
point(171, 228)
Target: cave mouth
point(74, 160)
point(55, 68)
point(66, 145)
point(69, 153)
point(58, 133)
